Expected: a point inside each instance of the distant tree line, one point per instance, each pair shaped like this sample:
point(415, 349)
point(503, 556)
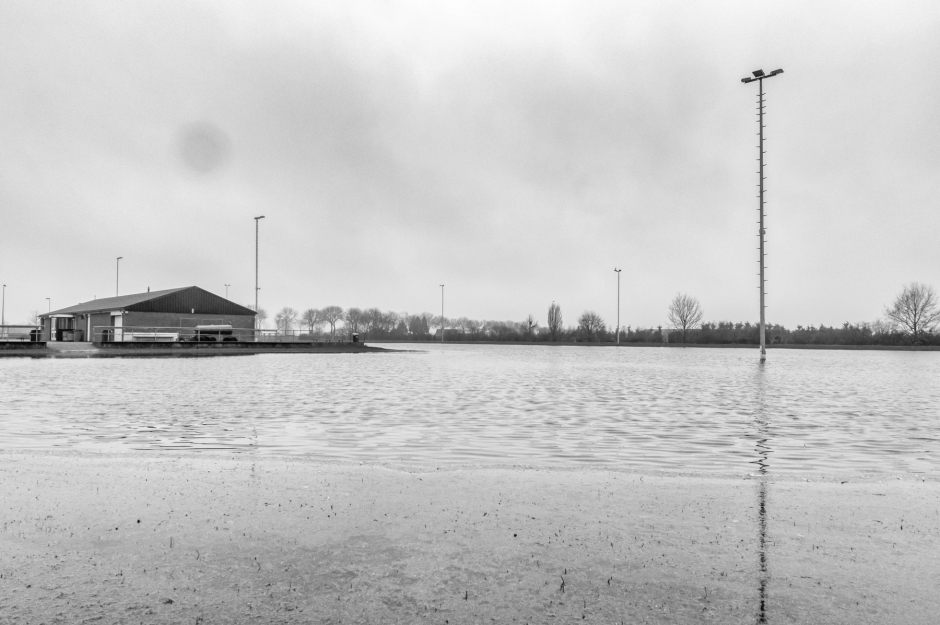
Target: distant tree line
point(911, 319)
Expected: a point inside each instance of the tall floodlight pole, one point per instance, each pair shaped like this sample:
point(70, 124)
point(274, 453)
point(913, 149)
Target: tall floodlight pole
point(759, 76)
point(226, 290)
point(257, 219)
point(49, 301)
point(442, 313)
point(117, 277)
point(3, 308)
point(618, 305)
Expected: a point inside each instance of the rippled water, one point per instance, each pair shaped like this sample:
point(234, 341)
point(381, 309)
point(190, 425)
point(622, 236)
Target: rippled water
point(696, 409)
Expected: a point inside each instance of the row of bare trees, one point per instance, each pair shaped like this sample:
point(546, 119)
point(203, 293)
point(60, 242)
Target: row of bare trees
point(377, 324)
point(912, 317)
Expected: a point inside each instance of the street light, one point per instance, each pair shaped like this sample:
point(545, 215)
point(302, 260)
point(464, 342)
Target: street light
point(49, 301)
point(117, 280)
point(442, 313)
point(759, 76)
point(226, 290)
point(618, 305)
point(3, 308)
point(257, 219)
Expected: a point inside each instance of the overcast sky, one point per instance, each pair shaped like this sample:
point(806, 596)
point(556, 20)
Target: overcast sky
point(515, 151)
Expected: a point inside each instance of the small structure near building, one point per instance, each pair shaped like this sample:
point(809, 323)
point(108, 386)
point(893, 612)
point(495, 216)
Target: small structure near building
point(168, 315)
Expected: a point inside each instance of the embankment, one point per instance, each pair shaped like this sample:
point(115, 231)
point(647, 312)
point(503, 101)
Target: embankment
point(119, 349)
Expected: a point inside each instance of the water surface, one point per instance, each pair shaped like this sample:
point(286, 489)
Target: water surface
point(691, 409)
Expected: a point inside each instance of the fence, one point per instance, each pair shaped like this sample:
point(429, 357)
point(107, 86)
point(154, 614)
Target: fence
point(19, 333)
point(204, 334)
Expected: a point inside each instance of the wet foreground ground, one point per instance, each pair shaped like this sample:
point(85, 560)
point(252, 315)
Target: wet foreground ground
point(221, 539)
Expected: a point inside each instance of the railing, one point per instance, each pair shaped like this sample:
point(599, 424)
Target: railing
point(174, 334)
point(20, 333)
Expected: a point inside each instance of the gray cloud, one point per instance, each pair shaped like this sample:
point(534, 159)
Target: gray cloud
point(516, 154)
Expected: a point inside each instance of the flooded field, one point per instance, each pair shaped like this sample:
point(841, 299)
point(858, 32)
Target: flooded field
point(833, 412)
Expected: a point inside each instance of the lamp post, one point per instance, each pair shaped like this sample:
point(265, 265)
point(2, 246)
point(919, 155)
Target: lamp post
point(442, 313)
point(49, 301)
point(3, 308)
point(618, 305)
point(226, 290)
point(117, 279)
point(257, 219)
point(759, 76)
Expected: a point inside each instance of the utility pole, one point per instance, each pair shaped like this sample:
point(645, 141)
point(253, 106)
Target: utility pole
point(442, 313)
point(226, 290)
point(759, 76)
point(618, 305)
point(117, 279)
point(257, 219)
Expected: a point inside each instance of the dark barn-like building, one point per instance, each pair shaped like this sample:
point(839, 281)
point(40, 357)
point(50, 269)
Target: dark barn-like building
point(185, 307)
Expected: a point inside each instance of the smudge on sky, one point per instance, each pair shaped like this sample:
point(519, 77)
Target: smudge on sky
point(204, 148)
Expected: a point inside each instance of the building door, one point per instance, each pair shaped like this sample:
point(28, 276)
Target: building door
point(117, 320)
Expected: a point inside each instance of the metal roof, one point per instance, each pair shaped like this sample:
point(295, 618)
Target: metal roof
point(136, 299)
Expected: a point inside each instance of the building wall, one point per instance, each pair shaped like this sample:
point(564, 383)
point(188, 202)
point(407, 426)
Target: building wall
point(97, 319)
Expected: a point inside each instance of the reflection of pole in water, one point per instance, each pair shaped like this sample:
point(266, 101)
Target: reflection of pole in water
point(763, 453)
point(762, 525)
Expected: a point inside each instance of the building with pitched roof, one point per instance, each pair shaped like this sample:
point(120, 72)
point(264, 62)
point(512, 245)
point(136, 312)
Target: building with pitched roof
point(184, 307)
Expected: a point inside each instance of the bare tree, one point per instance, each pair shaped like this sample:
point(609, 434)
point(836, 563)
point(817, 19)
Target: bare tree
point(473, 327)
point(374, 321)
point(531, 326)
point(554, 320)
point(332, 315)
point(915, 309)
point(285, 319)
point(591, 325)
point(390, 321)
point(353, 319)
point(878, 326)
point(261, 315)
point(33, 318)
point(685, 313)
point(312, 319)
point(438, 322)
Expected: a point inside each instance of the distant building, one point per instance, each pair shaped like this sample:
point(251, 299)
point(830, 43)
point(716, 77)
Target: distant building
point(185, 307)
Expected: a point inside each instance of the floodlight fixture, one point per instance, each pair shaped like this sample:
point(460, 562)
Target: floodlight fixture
point(760, 75)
